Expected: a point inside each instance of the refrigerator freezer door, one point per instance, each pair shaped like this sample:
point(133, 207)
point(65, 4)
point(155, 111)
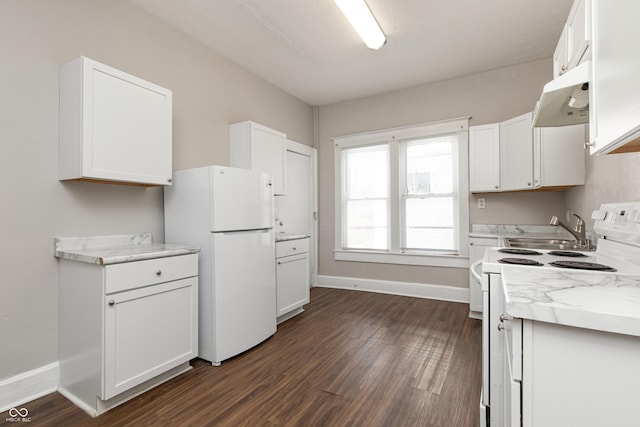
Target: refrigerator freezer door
point(241, 199)
point(244, 291)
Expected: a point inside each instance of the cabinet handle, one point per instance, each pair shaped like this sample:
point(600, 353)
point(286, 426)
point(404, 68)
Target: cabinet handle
point(294, 248)
point(501, 327)
point(159, 273)
point(529, 184)
point(587, 145)
point(112, 302)
point(497, 186)
point(169, 180)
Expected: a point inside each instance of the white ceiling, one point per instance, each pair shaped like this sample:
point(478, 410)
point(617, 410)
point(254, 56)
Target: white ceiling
point(308, 48)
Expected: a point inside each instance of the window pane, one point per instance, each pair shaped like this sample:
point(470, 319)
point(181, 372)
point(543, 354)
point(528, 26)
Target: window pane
point(366, 226)
point(429, 223)
point(429, 166)
point(367, 172)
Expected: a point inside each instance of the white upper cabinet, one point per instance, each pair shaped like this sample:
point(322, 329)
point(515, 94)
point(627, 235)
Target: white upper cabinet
point(516, 153)
point(560, 56)
point(114, 127)
point(511, 156)
point(559, 156)
point(573, 45)
point(614, 93)
point(484, 155)
point(257, 147)
point(578, 32)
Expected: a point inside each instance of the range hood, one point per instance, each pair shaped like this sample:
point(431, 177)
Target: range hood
point(565, 100)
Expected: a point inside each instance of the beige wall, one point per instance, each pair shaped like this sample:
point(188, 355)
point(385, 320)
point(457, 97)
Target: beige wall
point(488, 97)
point(209, 93)
point(610, 178)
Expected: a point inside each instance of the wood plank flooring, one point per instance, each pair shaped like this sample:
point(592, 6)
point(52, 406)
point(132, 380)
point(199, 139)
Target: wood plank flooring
point(351, 359)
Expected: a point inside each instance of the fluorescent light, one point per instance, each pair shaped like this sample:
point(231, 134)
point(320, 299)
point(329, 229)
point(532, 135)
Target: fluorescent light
point(363, 21)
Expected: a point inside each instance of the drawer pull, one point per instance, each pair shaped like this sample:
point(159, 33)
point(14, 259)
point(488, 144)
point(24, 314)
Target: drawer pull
point(159, 273)
point(112, 302)
point(294, 248)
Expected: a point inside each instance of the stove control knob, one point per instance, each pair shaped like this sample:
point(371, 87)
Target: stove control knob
point(598, 215)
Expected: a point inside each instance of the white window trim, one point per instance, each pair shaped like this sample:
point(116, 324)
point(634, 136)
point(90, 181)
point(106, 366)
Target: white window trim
point(459, 259)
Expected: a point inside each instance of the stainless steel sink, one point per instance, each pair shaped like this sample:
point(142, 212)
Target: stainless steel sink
point(551, 244)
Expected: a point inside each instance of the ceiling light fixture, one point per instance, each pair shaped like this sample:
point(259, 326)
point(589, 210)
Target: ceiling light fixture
point(363, 21)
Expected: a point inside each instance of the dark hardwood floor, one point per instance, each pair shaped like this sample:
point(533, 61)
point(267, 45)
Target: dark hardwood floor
point(351, 359)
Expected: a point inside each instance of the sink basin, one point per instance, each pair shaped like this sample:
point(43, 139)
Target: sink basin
point(551, 244)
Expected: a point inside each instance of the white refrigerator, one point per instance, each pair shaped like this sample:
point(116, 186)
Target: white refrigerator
point(228, 213)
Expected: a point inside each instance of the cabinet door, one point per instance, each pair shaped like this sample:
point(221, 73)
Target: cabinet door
point(113, 126)
point(560, 62)
point(560, 158)
point(614, 95)
point(477, 246)
point(484, 158)
point(268, 155)
point(148, 331)
point(578, 32)
point(516, 153)
point(292, 274)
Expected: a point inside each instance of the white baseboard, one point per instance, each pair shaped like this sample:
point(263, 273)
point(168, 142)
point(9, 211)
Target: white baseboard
point(27, 386)
point(418, 290)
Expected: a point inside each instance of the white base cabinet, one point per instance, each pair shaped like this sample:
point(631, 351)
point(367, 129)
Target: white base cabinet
point(292, 276)
point(126, 327)
point(114, 127)
point(558, 375)
point(477, 246)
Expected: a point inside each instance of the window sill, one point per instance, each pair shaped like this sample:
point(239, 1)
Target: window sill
point(432, 260)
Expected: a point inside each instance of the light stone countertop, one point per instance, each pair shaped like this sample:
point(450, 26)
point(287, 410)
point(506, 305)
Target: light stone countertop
point(594, 300)
point(116, 249)
point(282, 237)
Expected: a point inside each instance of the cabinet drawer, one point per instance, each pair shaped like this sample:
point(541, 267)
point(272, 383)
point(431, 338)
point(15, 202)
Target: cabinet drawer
point(131, 275)
point(292, 247)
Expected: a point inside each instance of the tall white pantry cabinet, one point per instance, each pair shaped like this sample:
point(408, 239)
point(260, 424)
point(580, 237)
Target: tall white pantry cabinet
point(114, 127)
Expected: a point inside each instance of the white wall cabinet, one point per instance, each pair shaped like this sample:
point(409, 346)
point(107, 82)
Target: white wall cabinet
point(125, 327)
point(516, 153)
point(528, 158)
point(257, 147)
point(484, 155)
point(114, 127)
point(292, 276)
point(573, 45)
point(614, 95)
point(559, 156)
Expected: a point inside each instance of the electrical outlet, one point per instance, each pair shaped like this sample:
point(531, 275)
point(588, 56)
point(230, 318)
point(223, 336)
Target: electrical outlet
point(481, 203)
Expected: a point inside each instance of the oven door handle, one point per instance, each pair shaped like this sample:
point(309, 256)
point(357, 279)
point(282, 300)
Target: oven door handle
point(474, 270)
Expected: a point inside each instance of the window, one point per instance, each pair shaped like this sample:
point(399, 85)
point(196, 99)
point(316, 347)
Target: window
point(401, 195)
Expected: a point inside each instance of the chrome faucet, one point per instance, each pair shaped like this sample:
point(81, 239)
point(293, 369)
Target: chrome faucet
point(578, 232)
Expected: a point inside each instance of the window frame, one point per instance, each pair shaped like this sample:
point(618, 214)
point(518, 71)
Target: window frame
point(394, 137)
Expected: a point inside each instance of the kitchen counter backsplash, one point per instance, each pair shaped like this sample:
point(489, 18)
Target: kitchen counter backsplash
point(513, 230)
point(115, 249)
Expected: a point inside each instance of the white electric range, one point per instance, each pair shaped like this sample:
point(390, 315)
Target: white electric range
point(617, 226)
